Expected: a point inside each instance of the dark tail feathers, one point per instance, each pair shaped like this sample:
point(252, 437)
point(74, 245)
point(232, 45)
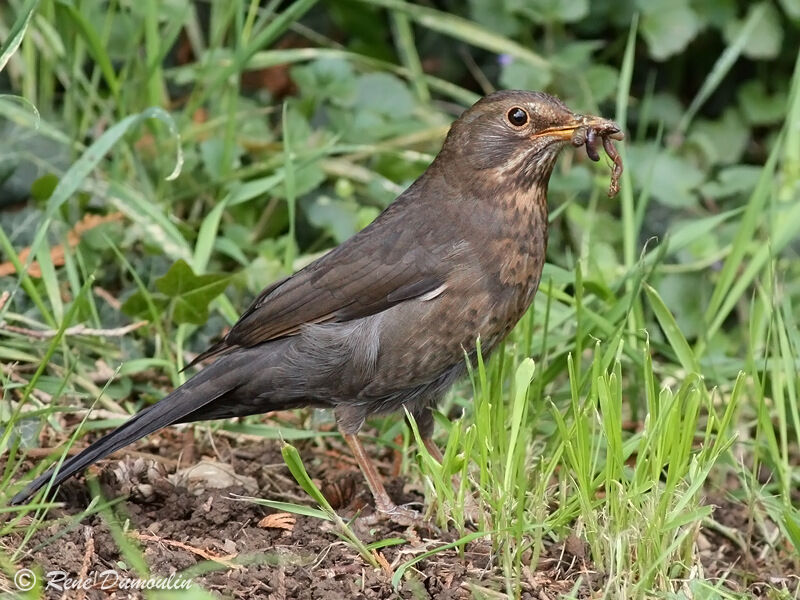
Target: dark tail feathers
point(207, 386)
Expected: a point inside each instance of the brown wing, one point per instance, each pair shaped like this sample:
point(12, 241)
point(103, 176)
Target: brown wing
point(390, 261)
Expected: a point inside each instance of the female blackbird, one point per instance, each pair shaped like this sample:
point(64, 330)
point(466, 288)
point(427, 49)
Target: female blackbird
point(382, 322)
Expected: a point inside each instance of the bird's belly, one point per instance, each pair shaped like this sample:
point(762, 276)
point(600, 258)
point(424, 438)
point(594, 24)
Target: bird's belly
point(422, 339)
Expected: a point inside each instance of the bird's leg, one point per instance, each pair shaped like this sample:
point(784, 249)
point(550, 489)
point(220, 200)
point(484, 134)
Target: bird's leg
point(383, 502)
point(433, 449)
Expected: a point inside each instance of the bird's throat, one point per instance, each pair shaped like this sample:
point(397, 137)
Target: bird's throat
point(522, 246)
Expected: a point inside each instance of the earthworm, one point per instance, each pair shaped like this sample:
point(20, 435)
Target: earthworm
point(591, 144)
point(587, 136)
point(616, 170)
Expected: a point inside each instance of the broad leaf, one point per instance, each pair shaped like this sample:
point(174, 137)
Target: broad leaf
point(190, 293)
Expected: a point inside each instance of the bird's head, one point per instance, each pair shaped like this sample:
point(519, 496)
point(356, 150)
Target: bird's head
point(518, 134)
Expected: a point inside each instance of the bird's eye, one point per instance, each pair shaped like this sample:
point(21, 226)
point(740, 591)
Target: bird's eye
point(517, 116)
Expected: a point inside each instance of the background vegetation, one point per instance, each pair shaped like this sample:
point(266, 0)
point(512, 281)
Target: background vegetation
point(163, 161)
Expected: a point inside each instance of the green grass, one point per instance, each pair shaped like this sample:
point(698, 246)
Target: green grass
point(652, 379)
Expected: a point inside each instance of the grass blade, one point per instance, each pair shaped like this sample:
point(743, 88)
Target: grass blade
point(670, 326)
point(17, 32)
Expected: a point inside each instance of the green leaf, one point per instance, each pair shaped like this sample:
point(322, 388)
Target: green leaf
point(213, 154)
point(522, 381)
point(602, 80)
point(791, 521)
point(552, 11)
point(385, 543)
point(575, 55)
point(518, 75)
point(503, 22)
point(676, 338)
point(71, 181)
point(766, 38)
point(190, 293)
point(297, 509)
point(685, 293)
point(722, 66)
point(14, 39)
point(136, 305)
point(668, 27)
point(308, 177)
point(738, 179)
point(665, 108)
point(297, 125)
point(669, 177)
point(338, 217)
point(759, 107)
point(717, 13)
point(792, 8)
point(43, 188)
point(723, 141)
point(326, 79)
point(384, 94)
point(292, 459)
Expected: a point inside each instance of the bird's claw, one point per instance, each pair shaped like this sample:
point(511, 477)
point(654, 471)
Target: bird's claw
point(401, 515)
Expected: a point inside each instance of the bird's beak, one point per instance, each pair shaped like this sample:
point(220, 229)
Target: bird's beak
point(604, 127)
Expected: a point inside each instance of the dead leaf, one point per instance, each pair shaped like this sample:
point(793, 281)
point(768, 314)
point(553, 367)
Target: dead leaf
point(279, 520)
point(57, 252)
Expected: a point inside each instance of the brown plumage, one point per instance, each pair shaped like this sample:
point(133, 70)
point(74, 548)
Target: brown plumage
point(382, 322)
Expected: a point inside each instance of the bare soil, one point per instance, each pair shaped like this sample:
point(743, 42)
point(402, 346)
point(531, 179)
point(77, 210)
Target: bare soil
point(234, 548)
point(222, 541)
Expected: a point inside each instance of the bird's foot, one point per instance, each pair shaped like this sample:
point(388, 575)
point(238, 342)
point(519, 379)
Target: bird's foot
point(401, 515)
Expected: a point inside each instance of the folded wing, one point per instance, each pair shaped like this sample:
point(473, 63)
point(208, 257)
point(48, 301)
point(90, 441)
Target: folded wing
point(384, 264)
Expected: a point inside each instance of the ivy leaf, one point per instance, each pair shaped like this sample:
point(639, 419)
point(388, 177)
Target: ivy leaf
point(307, 178)
point(759, 107)
point(738, 179)
point(517, 75)
point(792, 8)
point(338, 217)
point(326, 79)
point(552, 11)
point(668, 27)
point(664, 108)
point(190, 294)
point(136, 305)
point(384, 94)
point(717, 13)
point(212, 153)
point(766, 38)
point(602, 80)
point(501, 21)
point(722, 141)
point(671, 177)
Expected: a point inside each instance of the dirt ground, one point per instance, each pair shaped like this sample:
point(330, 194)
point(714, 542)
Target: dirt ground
point(234, 548)
point(245, 550)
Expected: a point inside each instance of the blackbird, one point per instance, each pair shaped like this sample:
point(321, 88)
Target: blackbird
point(383, 321)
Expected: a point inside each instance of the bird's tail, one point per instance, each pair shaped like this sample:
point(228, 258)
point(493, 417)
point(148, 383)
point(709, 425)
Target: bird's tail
point(212, 383)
